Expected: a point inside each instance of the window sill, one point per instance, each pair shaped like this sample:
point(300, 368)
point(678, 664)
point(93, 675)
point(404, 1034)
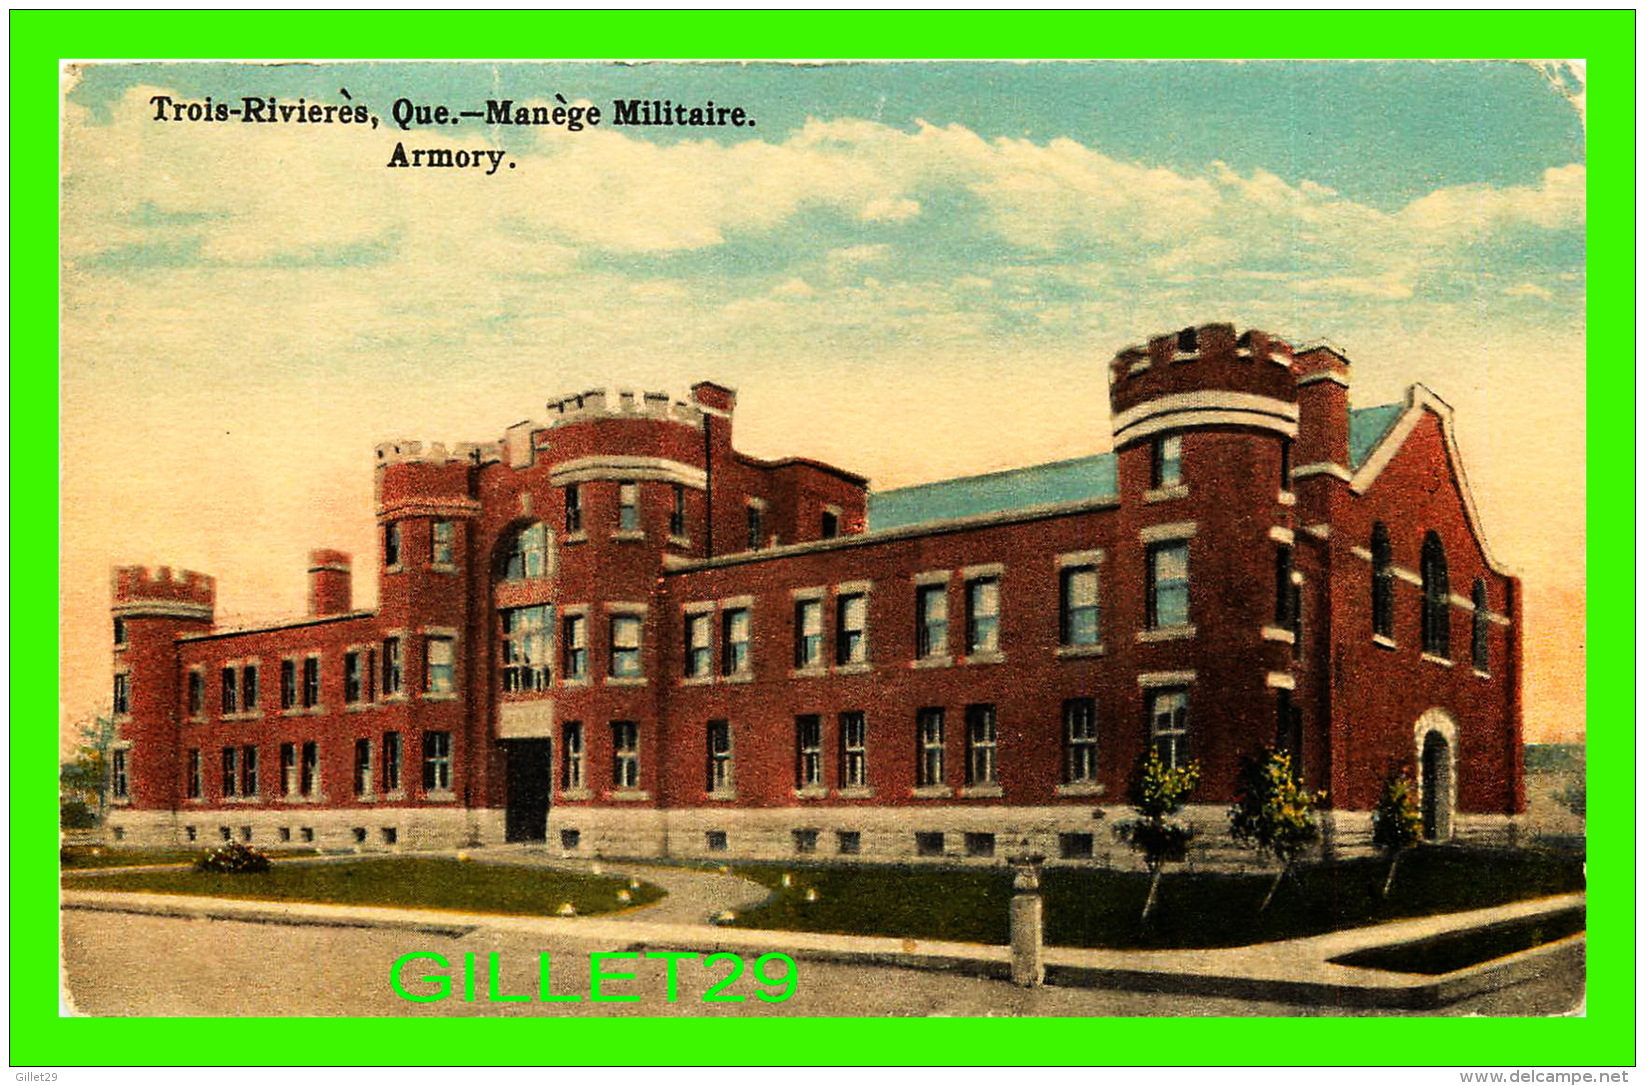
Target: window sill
point(1286, 497)
point(1073, 651)
point(858, 667)
point(1081, 788)
point(1382, 642)
point(443, 567)
point(628, 795)
point(697, 680)
point(932, 791)
point(574, 681)
point(932, 661)
point(739, 677)
point(240, 801)
point(679, 541)
point(723, 796)
point(987, 656)
point(625, 680)
point(258, 715)
point(1279, 633)
point(854, 793)
point(359, 707)
point(628, 535)
point(573, 537)
point(395, 568)
point(573, 795)
point(366, 798)
point(982, 791)
point(392, 797)
point(1440, 660)
point(194, 720)
point(811, 792)
point(1478, 674)
point(816, 671)
point(1165, 493)
point(1166, 633)
point(440, 797)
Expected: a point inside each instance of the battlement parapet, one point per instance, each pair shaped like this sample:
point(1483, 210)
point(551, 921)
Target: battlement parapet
point(1204, 375)
point(437, 452)
point(181, 593)
point(597, 403)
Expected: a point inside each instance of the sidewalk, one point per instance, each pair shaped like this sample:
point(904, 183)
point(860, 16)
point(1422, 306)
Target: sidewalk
point(1296, 971)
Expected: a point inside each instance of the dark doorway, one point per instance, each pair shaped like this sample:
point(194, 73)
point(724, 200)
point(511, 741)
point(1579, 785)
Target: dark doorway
point(1436, 787)
point(530, 777)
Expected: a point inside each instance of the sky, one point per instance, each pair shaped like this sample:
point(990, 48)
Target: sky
point(914, 271)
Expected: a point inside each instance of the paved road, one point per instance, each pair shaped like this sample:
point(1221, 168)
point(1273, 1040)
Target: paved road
point(694, 896)
point(122, 965)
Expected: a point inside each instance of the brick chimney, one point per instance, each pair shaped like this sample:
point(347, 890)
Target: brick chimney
point(330, 583)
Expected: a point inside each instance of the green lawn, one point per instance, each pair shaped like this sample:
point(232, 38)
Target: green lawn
point(401, 882)
point(74, 857)
point(1088, 908)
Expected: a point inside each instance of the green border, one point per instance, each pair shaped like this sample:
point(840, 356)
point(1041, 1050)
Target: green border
point(40, 39)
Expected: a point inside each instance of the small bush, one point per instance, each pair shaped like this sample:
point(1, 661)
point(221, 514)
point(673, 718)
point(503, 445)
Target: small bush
point(233, 859)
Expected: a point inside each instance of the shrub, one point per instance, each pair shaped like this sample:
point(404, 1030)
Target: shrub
point(233, 859)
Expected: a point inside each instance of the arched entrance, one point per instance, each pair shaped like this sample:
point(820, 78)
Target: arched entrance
point(1436, 743)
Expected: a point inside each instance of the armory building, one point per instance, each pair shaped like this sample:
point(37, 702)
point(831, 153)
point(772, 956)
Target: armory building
point(612, 632)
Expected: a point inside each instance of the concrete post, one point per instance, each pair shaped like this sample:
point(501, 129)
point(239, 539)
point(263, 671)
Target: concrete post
point(1027, 923)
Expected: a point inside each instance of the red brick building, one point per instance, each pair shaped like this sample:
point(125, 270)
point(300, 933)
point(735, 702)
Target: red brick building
point(615, 633)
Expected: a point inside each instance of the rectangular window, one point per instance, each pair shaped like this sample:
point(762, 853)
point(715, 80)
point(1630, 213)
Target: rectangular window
point(436, 761)
point(391, 762)
point(231, 771)
point(311, 682)
point(391, 545)
point(120, 774)
point(248, 771)
point(851, 629)
point(805, 841)
point(849, 842)
point(525, 647)
point(979, 844)
point(1167, 464)
point(573, 509)
point(393, 667)
point(808, 634)
point(442, 665)
point(1168, 584)
point(853, 750)
point(1079, 738)
point(122, 694)
point(353, 678)
point(625, 646)
point(928, 844)
point(231, 691)
point(734, 634)
point(676, 519)
point(699, 650)
point(1285, 595)
point(982, 615)
point(830, 524)
point(196, 693)
point(1079, 606)
point(932, 606)
point(249, 689)
point(362, 767)
point(576, 647)
point(625, 754)
point(1168, 725)
point(1075, 846)
point(288, 684)
point(444, 548)
point(194, 784)
point(715, 841)
point(719, 756)
point(981, 745)
point(119, 632)
point(571, 739)
point(628, 507)
point(309, 781)
point(930, 769)
point(756, 521)
point(288, 769)
point(808, 772)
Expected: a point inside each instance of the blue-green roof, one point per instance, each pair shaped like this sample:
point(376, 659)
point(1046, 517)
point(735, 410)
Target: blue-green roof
point(1088, 477)
point(1366, 427)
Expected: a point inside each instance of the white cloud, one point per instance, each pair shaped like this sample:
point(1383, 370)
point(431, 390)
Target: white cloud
point(1528, 290)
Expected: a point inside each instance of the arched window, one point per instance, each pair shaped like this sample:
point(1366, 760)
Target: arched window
point(1482, 627)
point(526, 555)
point(1436, 599)
point(1382, 582)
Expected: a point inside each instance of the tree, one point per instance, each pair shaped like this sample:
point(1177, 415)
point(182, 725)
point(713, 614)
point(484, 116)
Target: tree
point(1396, 824)
point(1157, 793)
point(1274, 813)
point(84, 779)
